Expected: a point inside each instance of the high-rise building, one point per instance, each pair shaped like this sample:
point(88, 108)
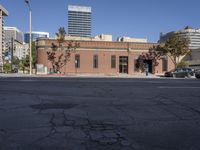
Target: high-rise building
point(14, 45)
point(79, 21)
point(194, 38)
point(192, 34)
point(13, 32)
point(3, 12)
point(35, 36)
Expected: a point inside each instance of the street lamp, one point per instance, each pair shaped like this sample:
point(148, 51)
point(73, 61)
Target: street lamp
point(30, 35)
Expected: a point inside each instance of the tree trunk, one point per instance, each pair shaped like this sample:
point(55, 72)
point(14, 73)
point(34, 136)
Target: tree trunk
point(175, 62)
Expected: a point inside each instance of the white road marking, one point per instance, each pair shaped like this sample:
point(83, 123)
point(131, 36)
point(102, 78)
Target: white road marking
point(177, 87)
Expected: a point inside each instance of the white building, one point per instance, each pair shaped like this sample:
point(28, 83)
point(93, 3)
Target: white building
point(192, 34)
point(13, 32)
point(194, 37)
point(14, 43)
point(102, 37)
point(128, 39)
point(3, 12)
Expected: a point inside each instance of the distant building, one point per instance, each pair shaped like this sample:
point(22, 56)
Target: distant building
point(14, 45)
point(13, 32)
point(102, 37)
point(128, 39)
point(19, 50)
point(194, 59)
point(35, 36)
point(79, 21)
point(192, 34)
point(3, 12)
point(194, 37)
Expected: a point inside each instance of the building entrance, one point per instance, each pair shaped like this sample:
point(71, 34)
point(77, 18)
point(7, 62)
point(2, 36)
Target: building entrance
point(123, 64)
point(150, 65)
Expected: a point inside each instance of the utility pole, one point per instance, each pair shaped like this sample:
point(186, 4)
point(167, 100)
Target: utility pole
point(12, 49)
point(30, 35)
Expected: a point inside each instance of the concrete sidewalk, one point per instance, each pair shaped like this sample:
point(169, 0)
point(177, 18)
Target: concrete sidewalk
point(80, 75)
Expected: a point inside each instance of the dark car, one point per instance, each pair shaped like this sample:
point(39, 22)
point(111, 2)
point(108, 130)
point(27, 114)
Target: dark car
point(180, 73)
point(197, 74)
point(169, 73)
point(183, 72)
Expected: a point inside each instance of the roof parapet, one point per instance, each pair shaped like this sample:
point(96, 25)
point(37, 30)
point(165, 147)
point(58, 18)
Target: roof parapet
point(4, 11)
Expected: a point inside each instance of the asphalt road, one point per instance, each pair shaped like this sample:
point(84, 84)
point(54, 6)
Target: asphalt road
point(99, 114)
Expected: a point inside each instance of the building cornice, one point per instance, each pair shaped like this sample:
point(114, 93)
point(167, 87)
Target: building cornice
point(4, 11)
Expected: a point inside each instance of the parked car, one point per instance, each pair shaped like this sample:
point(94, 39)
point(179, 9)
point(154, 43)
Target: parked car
point(197, 73)
point(180, 73)
point(169, 73)
point(14, 68)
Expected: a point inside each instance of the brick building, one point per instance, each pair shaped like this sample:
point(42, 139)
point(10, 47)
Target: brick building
point(102, 57)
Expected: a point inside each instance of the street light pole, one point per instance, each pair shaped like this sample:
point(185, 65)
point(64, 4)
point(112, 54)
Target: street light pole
point(30, 36)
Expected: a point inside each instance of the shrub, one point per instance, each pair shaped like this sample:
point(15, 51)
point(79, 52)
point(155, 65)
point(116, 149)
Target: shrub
point(7, 67)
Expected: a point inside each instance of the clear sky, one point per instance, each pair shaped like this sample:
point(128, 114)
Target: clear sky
point(133, 18)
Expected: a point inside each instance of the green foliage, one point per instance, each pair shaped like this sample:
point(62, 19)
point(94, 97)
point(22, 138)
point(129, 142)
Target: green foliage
point(16, 60)
point(25, 62)
point(61, 35)
point(34, 55)
point(7, 67)
point(182, 64)
point(177, 46)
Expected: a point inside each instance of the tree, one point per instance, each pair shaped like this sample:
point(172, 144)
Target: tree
point(7, 67)
point(182, 64)
point(15, 60)
point(175, 47)
point(58, 60)
point(25, 63)
point(61, 35)
point(154, 55)
point(34, 55)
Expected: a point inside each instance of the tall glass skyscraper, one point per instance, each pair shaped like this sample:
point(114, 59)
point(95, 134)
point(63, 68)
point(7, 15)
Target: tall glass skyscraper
point(35, 36)
point(79, 21)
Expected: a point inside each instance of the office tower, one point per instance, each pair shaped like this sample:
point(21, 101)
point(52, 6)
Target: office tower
point(35, 36)
point(3, 12)
point(192, 34)
point(194, 38)
point(14, 45)
point(13, 32)
point(79, 21)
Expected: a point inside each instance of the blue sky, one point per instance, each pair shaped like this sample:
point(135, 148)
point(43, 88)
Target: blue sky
point(133, 18)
